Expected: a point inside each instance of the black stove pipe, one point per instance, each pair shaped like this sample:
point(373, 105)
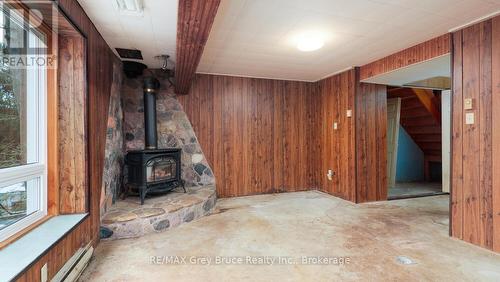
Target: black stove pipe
point(151, 86)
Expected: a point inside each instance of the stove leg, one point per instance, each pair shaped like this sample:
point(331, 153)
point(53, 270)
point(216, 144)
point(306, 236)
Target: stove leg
point(184, 188)
point(142, 194)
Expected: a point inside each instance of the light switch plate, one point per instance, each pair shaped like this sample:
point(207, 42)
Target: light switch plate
point(335, 126)
point(349, 113)
point(468, 104)
point(469, 118)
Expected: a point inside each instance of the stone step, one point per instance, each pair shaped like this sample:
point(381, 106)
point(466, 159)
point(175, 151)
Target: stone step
point(129, 219)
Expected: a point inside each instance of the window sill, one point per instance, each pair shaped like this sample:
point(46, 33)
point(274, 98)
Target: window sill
point(19, 255)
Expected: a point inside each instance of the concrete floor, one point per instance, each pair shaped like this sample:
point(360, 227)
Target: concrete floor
point(413, 189)
point(294, 225)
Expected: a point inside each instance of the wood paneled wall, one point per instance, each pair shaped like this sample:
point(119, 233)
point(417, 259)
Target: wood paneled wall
point(337, 146)
point(357, 150)
point(255, 133)
point(475, 201)
point(72, 142)
point(265, 136)
point(495, 130)
point(297, 104)
point(424, 51)
point(60, 253)
point(371, 143)
point(99, 78)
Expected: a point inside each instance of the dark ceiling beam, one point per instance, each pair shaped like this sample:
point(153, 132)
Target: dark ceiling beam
point(194, 21)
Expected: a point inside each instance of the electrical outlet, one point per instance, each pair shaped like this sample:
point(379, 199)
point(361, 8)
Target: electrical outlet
point(349, 113)
point(43, 273)
point(335, 126)
point(330, 174)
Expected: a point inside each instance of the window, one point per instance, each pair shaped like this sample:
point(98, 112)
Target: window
point(23, 165)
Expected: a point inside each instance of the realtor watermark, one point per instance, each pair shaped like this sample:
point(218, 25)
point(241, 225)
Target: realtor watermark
point(249, 260)
point(28, 34)
point(27, 61)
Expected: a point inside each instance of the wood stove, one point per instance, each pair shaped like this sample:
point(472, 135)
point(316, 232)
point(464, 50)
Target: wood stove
point(153, 170)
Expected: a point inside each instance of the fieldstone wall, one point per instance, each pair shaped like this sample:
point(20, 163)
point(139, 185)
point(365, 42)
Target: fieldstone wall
point(174, 127)
point(114, 156)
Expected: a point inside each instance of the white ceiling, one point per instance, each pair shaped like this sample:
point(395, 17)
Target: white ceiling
point(253, 37)
point(436, 67)
point(154, 33)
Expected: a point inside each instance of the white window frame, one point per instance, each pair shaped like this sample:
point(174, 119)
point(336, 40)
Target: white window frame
point(36, 169)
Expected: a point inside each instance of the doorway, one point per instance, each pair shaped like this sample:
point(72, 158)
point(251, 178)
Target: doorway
point(418, 129)
point(415, 145)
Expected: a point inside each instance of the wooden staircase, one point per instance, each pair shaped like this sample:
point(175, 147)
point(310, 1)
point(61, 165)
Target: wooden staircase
point(421, 118)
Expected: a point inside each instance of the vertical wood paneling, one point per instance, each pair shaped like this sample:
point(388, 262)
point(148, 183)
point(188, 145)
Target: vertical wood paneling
point(261, 132)
point(82, 189)
point(336, 147)
point(296, 136)
point(371, 143)
point(357, 150)
point(381, 143)
point(348, 132)
point(361, 142)
point(278, 136)
point(338, 94)
point(457, 202)
point(271, 135)
point(72, 141)
point(495, 131)
point(315, 143)
point(471, 88)
point(66, 117)
point(265, 105)
point(474, 204)
point(325, 136)
point(485, 123)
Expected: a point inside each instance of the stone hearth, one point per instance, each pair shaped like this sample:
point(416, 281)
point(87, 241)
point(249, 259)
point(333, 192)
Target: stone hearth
point(128, 219)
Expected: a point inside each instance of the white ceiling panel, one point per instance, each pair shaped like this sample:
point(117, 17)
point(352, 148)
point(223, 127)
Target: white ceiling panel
point(255, 37)
point(154, 33)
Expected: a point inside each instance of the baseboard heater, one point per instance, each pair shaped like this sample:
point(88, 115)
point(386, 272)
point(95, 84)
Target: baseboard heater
point(74, 267)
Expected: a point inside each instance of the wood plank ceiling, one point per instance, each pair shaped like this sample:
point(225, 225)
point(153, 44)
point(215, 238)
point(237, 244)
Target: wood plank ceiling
point(194, 22)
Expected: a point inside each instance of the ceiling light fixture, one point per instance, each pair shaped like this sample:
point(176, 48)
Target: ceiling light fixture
point(129, 7)
point(310, 41)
